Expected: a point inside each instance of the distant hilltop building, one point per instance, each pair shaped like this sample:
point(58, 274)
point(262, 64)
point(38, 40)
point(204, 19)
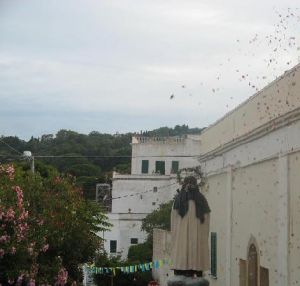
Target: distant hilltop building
point(153, 180)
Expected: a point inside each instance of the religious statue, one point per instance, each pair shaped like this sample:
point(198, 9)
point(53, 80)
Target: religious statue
point(190, 232)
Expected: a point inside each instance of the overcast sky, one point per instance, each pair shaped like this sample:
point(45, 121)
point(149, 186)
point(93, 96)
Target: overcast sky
point(112, 66)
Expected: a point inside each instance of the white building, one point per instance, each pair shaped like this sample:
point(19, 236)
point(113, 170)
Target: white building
point(153, 180)
point(251, 158)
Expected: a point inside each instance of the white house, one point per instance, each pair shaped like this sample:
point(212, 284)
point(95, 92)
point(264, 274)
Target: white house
point(251, 158)
point(153, 180)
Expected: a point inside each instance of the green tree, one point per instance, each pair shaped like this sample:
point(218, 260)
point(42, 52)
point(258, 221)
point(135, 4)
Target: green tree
point(159, 218)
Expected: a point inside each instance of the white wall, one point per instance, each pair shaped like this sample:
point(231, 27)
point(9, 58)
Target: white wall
point(125, 227)
point(252, 160)
point(140, 191)
point(277, 99)
point(166, 149)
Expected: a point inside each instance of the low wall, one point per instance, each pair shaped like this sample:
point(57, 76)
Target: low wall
point(162, 250)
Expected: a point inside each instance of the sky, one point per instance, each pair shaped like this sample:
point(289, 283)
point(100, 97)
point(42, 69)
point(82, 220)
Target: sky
point(130, 65)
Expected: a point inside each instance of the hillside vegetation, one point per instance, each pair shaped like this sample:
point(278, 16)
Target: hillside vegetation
point(90, 158)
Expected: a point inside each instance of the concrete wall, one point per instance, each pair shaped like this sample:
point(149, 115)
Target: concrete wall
point(140, 192)
point(125, 227)
point(294, 219)
point(252, 152)
point(134, 197)
point(164, 149)
point(217, 196)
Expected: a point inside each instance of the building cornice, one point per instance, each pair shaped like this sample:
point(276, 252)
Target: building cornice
point(254, 134)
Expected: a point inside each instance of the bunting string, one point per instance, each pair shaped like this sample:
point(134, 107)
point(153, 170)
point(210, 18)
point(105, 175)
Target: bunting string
point(156, 264)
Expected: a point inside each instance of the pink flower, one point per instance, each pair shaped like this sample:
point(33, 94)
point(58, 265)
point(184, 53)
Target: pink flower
point(19, 192)
point(20, 279)
point(62, 277)
point(45, 247)
point(2, 252)
point(4, 238)
point(10, 171)
point(23, 215)
point(31, 282)
point(10, 214)
point(22, 230)
point(40, 222)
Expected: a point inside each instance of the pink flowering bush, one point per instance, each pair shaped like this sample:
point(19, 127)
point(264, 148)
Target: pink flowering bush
point(22, 237)
point(47, 229)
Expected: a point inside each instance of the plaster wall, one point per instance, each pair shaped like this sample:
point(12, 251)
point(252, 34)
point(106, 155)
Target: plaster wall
point(252, 160)
point(216, 196)
point(165, 149)
point(265, 205)
point(255, 215)
point(125, 227)
point(141, 194)
point(275, 100)
point(294, 219)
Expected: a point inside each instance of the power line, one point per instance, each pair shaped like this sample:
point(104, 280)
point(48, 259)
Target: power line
point(140, 193)
point(115, 156)
point(10, 147)
point(101, 156)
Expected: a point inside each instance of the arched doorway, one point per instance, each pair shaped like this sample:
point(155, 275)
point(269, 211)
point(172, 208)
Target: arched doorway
point(252, 266)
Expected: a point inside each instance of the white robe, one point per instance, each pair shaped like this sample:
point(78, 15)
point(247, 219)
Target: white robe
point(190, 249)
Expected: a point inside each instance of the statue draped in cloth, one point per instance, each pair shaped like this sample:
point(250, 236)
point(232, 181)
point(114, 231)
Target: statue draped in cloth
point(190, 230)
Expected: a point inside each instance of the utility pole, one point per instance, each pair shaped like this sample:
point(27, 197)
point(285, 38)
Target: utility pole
point(32, 164)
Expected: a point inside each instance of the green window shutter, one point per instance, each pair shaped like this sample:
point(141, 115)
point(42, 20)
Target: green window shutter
point(145, 166)
point(213, 254)
point(175, 167)
point(160, 167)
point(113, 246)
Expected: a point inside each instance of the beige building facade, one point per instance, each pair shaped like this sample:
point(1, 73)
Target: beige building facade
point(251, 158)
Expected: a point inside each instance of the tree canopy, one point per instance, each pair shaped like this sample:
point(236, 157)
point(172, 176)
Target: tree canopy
point(91, 158)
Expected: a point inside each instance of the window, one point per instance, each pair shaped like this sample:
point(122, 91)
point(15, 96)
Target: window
point(213, 254)
point(134, 241)
point(175, 167)
point(113, 246)
point(160, 167)
point(145, 166)
point(153, 203)
point(154, 189)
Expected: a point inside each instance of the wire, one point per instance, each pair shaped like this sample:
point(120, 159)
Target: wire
point(139, 193)
point(115, 156)
point(10, 156)
point(10, 147)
